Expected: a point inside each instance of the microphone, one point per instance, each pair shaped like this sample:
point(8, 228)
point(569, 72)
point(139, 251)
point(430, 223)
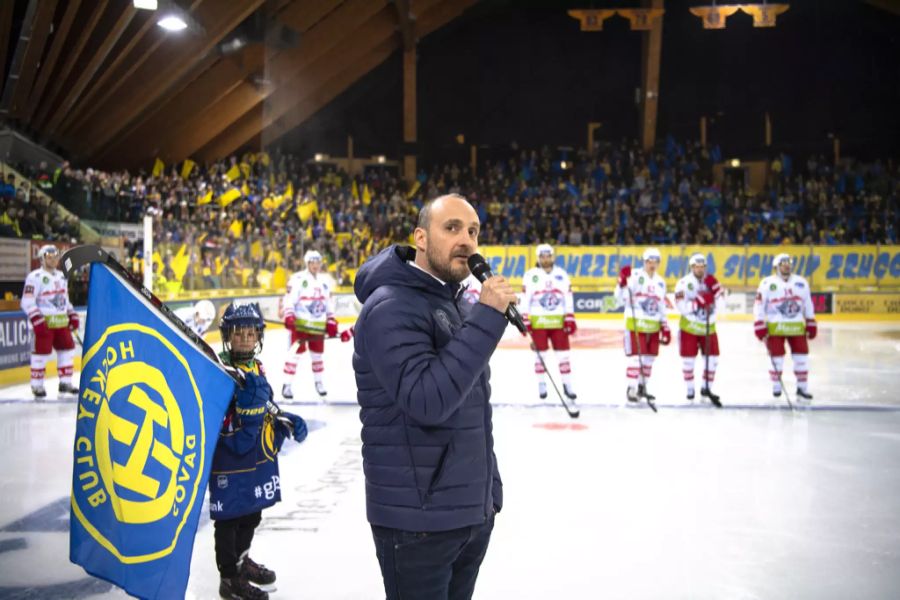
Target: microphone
point(482, 271)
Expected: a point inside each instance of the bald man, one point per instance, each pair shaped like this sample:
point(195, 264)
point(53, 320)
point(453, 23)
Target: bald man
point(421, 363)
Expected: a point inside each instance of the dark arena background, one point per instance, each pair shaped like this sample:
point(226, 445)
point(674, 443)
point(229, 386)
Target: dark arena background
point(211, 147)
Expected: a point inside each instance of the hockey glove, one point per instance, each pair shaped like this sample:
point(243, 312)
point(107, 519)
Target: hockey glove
point(527, 322)
point(624, 274)
point(712, 284)
point(40, 326)
point(289, 322)
point(811, 329)
point(705, 299)
point(73, 321)
point(759, 328)
point(252, 399)
point(299, 430)
point(569, 325)
point(347, 335)
point(665, 334)
point(331, 327)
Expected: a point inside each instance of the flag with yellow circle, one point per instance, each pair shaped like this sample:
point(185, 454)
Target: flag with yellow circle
point(149, 413)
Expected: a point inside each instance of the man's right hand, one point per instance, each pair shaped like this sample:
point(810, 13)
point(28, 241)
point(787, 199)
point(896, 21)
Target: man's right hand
point(289, 322)
point(759, 328)
point(40, 325)
point(497, 293)
point(624, 274)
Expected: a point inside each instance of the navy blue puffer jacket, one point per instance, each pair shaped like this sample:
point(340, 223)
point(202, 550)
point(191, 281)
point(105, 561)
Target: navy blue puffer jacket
point(421, 356)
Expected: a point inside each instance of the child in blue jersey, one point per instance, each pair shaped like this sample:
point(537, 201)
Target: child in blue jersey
point(244, 478)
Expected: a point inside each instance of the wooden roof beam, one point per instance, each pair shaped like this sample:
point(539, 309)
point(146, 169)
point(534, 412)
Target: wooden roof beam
point(40, 30)
point(49, 63)
point(327, 34)
point(90, 69)
point(407, 23)
point(6, 15)
point(154, 79)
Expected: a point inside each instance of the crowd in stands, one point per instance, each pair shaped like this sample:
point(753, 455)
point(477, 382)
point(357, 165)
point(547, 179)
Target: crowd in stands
point(27, 214)
point(246, 221)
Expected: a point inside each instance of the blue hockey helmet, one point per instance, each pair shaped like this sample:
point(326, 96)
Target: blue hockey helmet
point(240, 316)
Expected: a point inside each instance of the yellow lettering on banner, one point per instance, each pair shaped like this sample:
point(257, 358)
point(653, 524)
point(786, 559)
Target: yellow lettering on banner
point(83, 441)
point(100, 379)
point(84, 413)
point(126, 350)
point(88, 459)
point(94, 480)
point(97, 498)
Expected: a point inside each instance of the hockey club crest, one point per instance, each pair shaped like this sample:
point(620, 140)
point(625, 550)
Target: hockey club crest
point(316, 308)
point(305, 283)
point(549, 302)
point(535, 279)
point(46, 279)
point(690, 286)
point(789, 308)
point(773, 287)
point(650, 306)
point(641, 279)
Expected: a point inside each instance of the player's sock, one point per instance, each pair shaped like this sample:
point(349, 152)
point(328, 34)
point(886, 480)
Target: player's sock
point(687, 370)
point(775, 374)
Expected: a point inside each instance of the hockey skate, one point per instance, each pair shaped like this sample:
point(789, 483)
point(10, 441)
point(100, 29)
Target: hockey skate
point(39, 392)
point(632, 395)
point(642, 392)
point(238, 588)
point(320, 389)
point(714, 398)
point(776, 393)
point(569, 393)
point(690, 396)
point(542, 390)
point(68, 388)
point(804, 396)
point(257, 573)
point(286, 392)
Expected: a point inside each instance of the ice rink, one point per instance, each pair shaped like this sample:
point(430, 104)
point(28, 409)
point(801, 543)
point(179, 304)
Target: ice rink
point(750, 502)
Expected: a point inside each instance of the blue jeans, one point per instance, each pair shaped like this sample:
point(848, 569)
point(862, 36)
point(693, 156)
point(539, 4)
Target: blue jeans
point(434, 565)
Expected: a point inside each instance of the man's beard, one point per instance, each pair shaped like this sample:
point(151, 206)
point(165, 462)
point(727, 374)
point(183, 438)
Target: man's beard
point(443, 268)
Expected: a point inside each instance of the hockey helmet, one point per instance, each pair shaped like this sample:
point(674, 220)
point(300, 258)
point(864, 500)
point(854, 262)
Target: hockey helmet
point(47, 249)
point(206, 310)
point(312, 255)
point(652, 254)
point(781, 258)
point(237, 316)
point(544, 249)
point(697, 259)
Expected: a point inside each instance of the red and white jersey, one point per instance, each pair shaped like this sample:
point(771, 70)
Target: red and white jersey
point(308, 300)
point(693, 317)
point(547, 297)
point(46, 294)
point(648, 299)
point(472, 293)
point(784, 305)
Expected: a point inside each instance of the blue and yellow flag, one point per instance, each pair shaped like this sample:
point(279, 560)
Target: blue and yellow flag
point(149, 414)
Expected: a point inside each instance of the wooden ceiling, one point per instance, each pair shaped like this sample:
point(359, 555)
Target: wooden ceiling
point(100, 82)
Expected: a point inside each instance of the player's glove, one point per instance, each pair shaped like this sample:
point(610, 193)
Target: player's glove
point(527, 322)
point(331, 327)
point(347, 334)
point(665, 334)
point(811, 329)
point(624, 274)
point(73, 321)
point(289, 322)
point(759, 328)
point(712, 284)
point(251, 401)
point(40, 325)
point(569, 325)
point(298, 427)
point(705, 299)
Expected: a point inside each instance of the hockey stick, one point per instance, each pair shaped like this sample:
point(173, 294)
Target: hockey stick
point(80, 256)
point(572, 412)
point(712, 399)
point(777, 372)
point(77, 338)
point(637, 336)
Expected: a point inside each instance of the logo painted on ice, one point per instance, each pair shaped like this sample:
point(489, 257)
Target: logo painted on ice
point(140, 457)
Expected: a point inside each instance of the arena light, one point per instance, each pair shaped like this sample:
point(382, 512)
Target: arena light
point(172, 22)
point(320, 157)
point(146, 4)
point(380, 159)
point(563, 165)
point(735, 163)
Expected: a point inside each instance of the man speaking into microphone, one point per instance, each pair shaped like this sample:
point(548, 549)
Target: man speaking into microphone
point(421, 362)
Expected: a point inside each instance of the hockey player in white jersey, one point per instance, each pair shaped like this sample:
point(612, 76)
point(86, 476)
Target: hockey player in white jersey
point(199, 317)
point(695, 297)
point(643, 294)
point(783, 311)
point(472, 291)
point(549, 314)
point(309, 316)
point(45, 300)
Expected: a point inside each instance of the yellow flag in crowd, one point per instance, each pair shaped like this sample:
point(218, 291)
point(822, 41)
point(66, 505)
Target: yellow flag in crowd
point(256, 250)
point(366, 195)
point(289, 191)
point(329, 222)
point(263, 158)
point(306, 210)
point(229, 196)
point(180, 262)
point(268, 204)
point(236, 229)
point(309, 232)
point(354, 191)
point(205, 198)
point(233, 173)
point(187, 167)
point(413, 189)
point(158, 167)
point(245, 189)
point(245, 169)
point(314, 190)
